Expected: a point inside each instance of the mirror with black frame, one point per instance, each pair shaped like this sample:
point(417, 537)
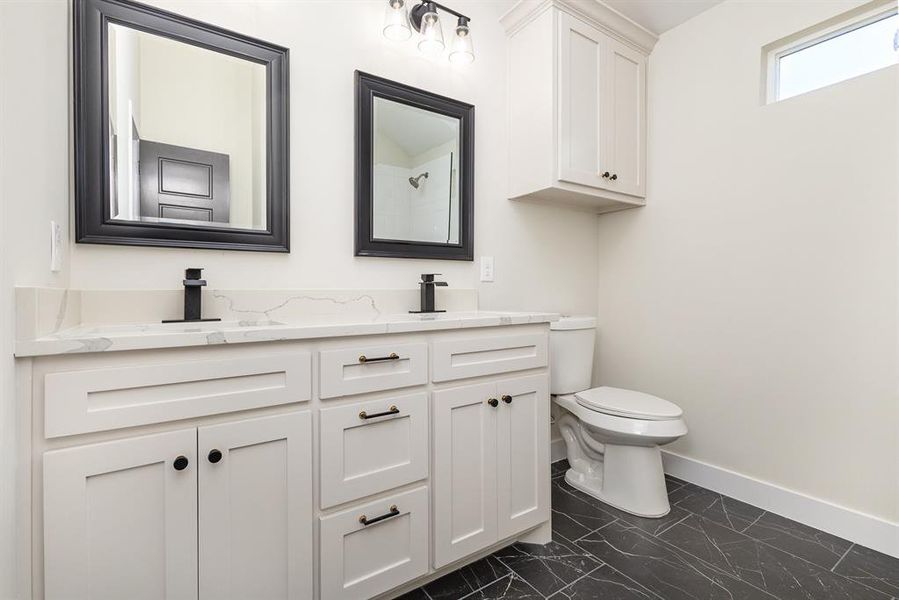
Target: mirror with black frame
point(181, 132)
point(414, 172)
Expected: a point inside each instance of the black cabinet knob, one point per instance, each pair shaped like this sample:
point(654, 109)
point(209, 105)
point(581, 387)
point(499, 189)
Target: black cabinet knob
point(181, 463)
point(614, 176)
point(493, 402)
point(214, 455)
point(605, 175)
point(507, 399)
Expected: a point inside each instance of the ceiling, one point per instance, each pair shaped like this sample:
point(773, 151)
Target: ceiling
point(659, 16)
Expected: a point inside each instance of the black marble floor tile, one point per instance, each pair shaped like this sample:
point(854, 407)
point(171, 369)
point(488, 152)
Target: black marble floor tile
point(651, 526)
point(871, 568)
point(673, 483)
point(510, 587)
point(416, 594)
point(662, 569)
point(469, 578)
point(559, 467)
point(683, 492)
point(604, 583)
point(822, 549)
point(583, 512)
point(780, 574)
point(721, 509)
point(547, 568)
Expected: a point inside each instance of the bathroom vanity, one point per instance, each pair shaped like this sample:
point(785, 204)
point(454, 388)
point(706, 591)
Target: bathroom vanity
point(343, 457)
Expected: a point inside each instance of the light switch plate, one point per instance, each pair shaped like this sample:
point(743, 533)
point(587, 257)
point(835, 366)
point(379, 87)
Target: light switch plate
point(487, 268)
point(55, 247)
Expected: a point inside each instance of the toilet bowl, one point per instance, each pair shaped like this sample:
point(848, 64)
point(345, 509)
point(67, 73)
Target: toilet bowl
point(612, 435)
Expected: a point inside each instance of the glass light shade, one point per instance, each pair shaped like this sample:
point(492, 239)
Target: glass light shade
point(431, 34)
point(461, 51)
point(396, 21)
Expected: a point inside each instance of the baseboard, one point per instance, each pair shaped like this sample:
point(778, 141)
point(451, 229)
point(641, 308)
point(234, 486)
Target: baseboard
point(557, 450)
point(858, 527)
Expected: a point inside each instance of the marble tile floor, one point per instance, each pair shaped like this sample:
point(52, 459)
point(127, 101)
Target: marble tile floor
point(710, 547)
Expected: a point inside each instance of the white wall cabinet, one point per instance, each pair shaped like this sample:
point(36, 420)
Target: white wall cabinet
point(491, 464)
point(146, 517)
point(578, 121)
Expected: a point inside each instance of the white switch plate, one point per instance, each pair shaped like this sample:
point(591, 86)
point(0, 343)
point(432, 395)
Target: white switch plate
point(487, 268)
point(55, 247)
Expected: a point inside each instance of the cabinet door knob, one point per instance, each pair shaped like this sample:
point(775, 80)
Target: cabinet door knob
point(214, 455)
point(605, 175)
point(614, 176)
point(493, 402)
point(181, 463)
point(507, 399)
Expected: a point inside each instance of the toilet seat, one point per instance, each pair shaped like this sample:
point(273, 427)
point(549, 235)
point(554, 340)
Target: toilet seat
point(628, 404)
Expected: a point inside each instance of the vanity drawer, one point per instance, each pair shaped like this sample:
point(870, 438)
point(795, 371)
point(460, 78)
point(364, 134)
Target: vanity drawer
point(112, 398)
point(360, 561)
point(363, 454)
point(474, 357)
point(372, 368)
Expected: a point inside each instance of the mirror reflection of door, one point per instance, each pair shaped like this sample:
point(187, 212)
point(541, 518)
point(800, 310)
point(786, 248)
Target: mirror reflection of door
point(189, 133)
point(415, 175)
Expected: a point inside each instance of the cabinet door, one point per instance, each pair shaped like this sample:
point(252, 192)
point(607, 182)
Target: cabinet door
point(581, 150)
point(522, 440)
point(255, 498)
point(120, 521)
point(624, 115)
point(464, 476)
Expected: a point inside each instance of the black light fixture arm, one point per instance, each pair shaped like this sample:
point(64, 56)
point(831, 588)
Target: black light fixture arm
point(418, 11)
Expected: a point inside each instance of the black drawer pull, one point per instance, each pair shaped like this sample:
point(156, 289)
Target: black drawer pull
point(394, 511)
point(393, 410)
point(180, 463)
point(365, 359)
point(214, 455)
point(507, 399)
point(493, 402)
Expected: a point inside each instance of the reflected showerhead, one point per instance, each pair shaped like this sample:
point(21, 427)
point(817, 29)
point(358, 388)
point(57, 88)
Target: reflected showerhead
point(413, 181)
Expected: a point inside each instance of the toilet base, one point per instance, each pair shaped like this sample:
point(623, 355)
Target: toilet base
point(629, 478)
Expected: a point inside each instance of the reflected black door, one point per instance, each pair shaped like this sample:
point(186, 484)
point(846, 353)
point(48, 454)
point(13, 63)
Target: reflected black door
point(183, 183)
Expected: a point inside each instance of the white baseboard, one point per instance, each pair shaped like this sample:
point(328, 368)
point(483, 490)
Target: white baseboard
point(863, 529)
point(557, 449)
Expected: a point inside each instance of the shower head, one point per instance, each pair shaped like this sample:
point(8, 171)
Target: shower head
point(413, 181)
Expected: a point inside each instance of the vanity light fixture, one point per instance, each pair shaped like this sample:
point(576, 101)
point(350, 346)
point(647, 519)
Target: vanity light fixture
point(425, 19)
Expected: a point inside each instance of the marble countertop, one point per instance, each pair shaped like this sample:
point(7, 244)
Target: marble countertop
point(143, 336)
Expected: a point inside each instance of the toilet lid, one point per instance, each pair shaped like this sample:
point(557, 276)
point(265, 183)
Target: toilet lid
point(628, 403)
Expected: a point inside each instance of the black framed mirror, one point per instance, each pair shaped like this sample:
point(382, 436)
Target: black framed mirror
point(181, 132)
point(414, 172)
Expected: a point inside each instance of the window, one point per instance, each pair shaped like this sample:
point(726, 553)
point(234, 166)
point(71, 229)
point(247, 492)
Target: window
point(837, 51)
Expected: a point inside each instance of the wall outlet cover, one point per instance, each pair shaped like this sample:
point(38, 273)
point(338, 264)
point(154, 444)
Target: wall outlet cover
point(55, 247)
point(487, 272)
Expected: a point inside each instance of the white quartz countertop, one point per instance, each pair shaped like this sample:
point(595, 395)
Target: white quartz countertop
point(143, 336)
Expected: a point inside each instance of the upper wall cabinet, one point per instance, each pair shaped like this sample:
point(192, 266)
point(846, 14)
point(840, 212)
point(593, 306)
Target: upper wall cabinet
point(577, 105)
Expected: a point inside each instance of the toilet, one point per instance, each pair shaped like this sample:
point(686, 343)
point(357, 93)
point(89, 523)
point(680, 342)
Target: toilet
point(612, 435)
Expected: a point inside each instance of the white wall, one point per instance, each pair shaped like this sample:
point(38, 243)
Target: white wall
point(34, 169)
point(758, 288)
point(545, 258)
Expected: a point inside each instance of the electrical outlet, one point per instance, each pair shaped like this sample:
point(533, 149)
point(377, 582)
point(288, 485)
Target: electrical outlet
point(55, 247)
point(487, 268)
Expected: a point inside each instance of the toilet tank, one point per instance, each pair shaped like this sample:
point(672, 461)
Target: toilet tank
point(571, 354)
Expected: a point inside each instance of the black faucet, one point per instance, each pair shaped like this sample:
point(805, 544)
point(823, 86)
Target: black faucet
point(428, 285)
point(192, 298)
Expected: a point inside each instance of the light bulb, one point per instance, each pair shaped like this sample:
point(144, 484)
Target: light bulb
point(431, 33)
point(396, 21)
point(462, 51)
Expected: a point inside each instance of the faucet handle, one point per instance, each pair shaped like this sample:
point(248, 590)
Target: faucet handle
point(428, 277)
point(193, 272)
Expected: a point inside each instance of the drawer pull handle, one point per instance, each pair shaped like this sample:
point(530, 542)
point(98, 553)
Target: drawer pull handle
point(180, 463)
point(365, 359)
point(507, 399)
point(393, 410)
point(394, 511)
point(215, 455)
point(493, 402)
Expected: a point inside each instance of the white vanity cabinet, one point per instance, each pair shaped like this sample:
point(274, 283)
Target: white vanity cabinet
point(148, 517)
point(491, 461)
point(577, 105)
point(325, 469)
